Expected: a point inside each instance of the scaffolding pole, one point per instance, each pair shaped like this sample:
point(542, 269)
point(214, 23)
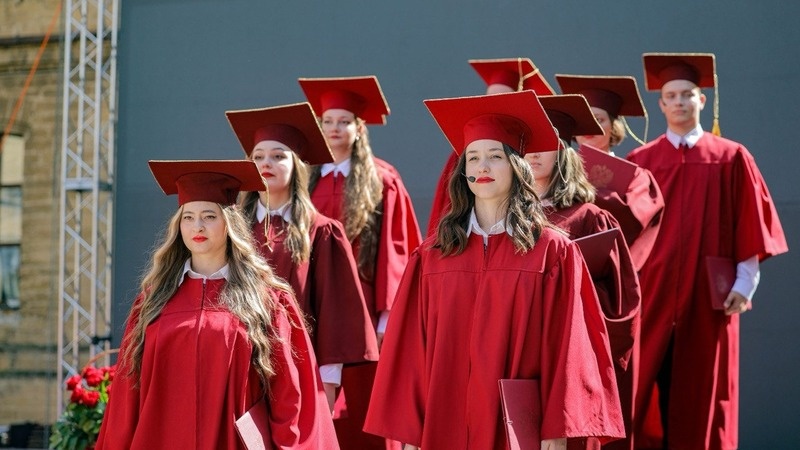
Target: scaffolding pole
point(89, 119)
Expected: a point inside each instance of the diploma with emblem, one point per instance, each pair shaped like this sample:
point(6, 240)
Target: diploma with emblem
point(721, 273)
point(606, 171)
point(522, 413)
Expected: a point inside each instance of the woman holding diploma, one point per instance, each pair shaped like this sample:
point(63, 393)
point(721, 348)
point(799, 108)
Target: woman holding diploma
point(495, 294)
point(560, 182)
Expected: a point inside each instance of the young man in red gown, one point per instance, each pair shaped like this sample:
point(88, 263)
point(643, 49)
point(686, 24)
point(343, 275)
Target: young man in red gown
point(717, 205)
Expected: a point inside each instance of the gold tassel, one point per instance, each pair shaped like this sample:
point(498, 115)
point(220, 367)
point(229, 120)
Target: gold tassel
point(631, 133)
point(715, 127)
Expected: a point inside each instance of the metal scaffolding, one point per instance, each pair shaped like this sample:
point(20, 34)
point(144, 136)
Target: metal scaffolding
point(87, 182)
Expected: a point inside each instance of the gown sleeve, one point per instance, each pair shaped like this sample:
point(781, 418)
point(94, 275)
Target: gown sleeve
point(579, 391)
point(403, 351)
point(299, 417)
point(399, 237)
point(344, 330)
point(122, 411)
point(758, 228)
point(619, 295)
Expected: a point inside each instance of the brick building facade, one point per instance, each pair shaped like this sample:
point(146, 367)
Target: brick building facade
point(28, 325)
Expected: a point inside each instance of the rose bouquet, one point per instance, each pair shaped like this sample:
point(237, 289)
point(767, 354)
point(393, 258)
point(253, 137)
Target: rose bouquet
point(78, 427)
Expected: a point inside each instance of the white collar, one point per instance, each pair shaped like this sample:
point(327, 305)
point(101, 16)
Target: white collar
point(690, 138)
point(340, 168)
point(187, 270)
point(285, 211)
point(497, 228)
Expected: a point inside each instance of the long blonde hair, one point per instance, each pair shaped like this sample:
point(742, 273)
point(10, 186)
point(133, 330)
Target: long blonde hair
point(251, 292)
point(363, 200)
point(568, 181)
point(524, 215)
point(298, 229)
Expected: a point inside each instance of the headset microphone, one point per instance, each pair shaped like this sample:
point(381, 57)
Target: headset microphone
point(470, 179)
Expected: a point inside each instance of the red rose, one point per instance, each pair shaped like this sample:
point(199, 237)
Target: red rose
point(90, 398)
point(73, 381)
point(108, 389)
point(93, 376)
point(77, 394)
point(111, 371)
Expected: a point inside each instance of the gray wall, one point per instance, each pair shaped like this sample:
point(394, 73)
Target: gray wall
point(182, 63)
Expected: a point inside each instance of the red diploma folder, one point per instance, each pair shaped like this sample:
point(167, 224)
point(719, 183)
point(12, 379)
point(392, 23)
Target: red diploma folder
point(253, 427)
point(522, 413)
point(596, 249)
point(606, 171)
point(721, 273)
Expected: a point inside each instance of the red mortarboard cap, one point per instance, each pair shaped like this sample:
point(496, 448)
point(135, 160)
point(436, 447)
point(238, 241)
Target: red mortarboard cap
point(360, 95)
point(510, 71)
point(618, 96)
point(660, 68)
point(515, 119)
point(571, 115)
point(295, 126)
point(208, 181)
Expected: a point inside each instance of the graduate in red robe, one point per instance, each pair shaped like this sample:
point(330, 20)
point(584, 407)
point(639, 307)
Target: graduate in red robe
point(567, 195)
point(214, 335)
point(496, 294)
point(501, 76)
point(305, 248)
point(638, 209)
point(368, 196)
point(717, 204)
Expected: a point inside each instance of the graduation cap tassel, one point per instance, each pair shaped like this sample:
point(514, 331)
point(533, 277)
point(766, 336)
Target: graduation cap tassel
point(267, 222)
point(527, 76)
point(521, 76)
point(715, 127)
point(630, 132)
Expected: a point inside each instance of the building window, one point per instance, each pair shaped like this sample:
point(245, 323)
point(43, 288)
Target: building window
point(11, 165)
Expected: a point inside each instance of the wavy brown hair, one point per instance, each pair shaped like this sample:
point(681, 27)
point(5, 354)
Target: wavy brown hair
point(524, 215)
point(251, 292)
point(363, 202)
point(303, 212)
point(568, 181)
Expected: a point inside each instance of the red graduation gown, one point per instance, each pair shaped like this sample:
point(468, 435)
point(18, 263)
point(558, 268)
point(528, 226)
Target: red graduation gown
point(620, 301)
point(197, 379)
point(638, 212)
point(327, 289)
point(399, 236)
point(717, 204)
point(441, 197)
point(399, 233)
point(462, 322)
